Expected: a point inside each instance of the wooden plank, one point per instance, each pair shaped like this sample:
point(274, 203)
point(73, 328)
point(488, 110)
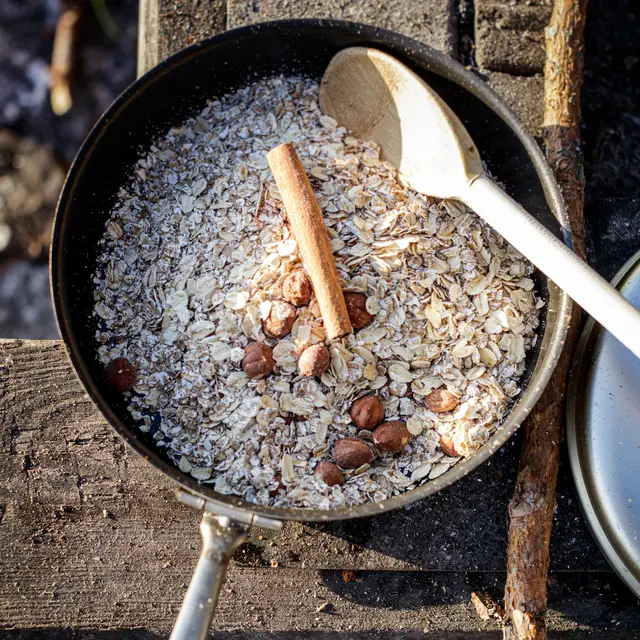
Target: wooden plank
point(509, 35)
point(91, 537)
point(148, 32)
point(62, 465)
point(524, 94)
point(308, 602)
point(430, 21)
point(166, 26)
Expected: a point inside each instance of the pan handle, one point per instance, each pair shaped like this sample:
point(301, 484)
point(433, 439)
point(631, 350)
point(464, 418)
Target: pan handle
point(221, 536)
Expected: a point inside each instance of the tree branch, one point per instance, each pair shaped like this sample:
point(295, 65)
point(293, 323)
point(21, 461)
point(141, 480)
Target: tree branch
point(532, 505)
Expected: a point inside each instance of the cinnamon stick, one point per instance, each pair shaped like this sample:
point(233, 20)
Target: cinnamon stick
point(532, 505)
point(311, 235)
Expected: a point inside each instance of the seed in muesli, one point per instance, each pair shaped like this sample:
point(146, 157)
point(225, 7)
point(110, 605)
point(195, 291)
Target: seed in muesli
point(192, 270)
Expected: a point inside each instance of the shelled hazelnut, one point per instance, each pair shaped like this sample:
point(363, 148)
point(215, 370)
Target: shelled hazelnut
point(120, 374)
point(328, 473)
point(447, 446)
point(314, 361)
point(441, 400)
point(357, 310)
point(258, 360)
point(280, 486)
point(392, 436)
point(367, 412)
point(351, 453)
point(280, 319)
point(296, 288)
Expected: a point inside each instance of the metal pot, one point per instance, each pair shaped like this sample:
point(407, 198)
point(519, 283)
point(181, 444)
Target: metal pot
point(166, 96)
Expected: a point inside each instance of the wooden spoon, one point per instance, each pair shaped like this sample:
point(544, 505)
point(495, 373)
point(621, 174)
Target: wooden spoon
point(377, 98)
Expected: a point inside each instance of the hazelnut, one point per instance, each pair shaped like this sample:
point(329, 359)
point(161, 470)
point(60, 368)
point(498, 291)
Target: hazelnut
point(391, 436)
point(296, 288)
point(357, 310)
point(120, 374)
point(441, 400)
point(314, 361)
point(291, 418)
point(351, 453)
point(280, 485)
point(328, 473)
point(447, 446)
point(367, 412)
point(280, 319)
point(258, 360)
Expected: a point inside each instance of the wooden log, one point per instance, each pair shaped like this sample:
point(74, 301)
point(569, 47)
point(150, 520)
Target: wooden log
point(61, 466)
point(532, 505)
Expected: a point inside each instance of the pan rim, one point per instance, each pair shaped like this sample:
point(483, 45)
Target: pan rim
point(437, 63)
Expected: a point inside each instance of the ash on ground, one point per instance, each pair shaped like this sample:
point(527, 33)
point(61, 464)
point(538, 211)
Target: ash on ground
point(37, 147)
point(25, 307)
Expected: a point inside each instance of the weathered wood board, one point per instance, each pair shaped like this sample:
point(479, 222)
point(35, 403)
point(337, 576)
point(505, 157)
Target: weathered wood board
point(509, 35)
point(63, 466)
point(429, 606)
point(166, 26)
point(430, 21)
point(91, 536)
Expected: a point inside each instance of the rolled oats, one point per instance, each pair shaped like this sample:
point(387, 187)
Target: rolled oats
point(192, 262)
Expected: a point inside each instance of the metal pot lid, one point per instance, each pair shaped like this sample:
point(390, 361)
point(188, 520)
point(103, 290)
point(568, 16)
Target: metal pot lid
point(603, 436)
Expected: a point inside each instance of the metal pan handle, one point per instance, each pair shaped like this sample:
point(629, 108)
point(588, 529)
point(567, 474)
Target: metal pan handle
point(221, 536)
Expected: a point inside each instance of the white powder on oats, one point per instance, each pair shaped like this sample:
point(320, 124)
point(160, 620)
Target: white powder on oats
point(195, 253)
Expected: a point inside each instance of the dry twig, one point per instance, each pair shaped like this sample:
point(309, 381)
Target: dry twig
point(62, 59)
point(532, 505)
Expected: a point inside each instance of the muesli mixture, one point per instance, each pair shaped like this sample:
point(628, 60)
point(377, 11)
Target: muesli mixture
point(190, 277)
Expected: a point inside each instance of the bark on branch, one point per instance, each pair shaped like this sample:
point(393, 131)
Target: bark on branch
point(533, 501)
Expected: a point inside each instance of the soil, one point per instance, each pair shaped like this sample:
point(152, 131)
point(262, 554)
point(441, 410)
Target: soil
point(37, 147)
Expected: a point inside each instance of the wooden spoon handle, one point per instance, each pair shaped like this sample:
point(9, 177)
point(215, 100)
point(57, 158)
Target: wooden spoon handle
point(590, 290)
point(311, 235)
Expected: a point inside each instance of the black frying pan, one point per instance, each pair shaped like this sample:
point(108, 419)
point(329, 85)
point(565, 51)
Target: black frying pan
point(177, 89)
